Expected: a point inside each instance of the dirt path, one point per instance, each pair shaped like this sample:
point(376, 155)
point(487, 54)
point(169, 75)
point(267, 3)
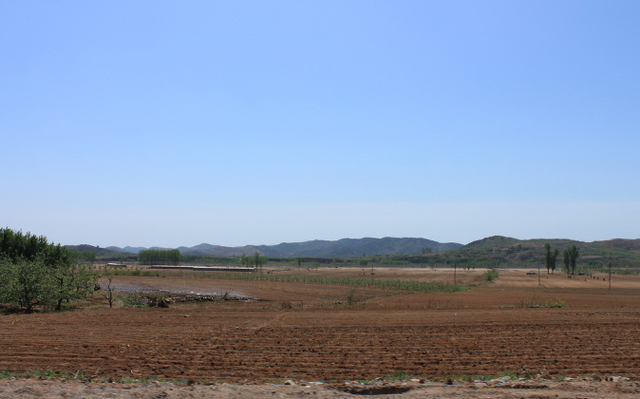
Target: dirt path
point(530, 389)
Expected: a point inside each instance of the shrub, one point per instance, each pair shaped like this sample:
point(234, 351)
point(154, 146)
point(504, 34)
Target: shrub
point(490, 275)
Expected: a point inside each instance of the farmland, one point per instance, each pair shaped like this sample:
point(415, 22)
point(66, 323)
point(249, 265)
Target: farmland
point(327, 331)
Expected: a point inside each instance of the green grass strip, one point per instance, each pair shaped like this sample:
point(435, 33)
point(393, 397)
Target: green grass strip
point(400, 285)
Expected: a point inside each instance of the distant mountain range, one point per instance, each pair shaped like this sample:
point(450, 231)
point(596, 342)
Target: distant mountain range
point(346, 247)
point(489, 251)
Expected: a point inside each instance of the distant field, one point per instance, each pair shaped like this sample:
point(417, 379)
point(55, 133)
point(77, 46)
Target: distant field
point(309, 331)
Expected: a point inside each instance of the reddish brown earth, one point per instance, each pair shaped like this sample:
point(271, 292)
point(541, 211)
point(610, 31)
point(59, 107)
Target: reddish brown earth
point(320, 338)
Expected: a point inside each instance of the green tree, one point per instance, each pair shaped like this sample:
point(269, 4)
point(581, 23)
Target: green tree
point(551, 257)
point(547, 249)
point(159, 256)
point(554, 258)
point(34, 272)
point(573, 257)
point(25, 283)
point(71, 281)
point(566, 259)
point(258, 260)
point(570, 256)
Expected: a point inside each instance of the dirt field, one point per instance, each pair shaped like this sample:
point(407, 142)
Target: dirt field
point(307, 332)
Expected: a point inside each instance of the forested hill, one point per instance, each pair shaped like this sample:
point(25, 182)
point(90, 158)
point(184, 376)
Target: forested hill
point(349, 247)
point(503, 251)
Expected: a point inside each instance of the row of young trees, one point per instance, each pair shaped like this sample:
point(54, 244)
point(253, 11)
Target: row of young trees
point(255, 260)
point(34, 272)
point(570, 256)
point(159, 256)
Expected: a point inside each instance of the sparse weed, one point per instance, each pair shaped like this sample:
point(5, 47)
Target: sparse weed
point(509, 374)
point(398, 376)
point(49, 373)
point(350, 296)
point(442, 304)
point(559, 303)
point(534, 302)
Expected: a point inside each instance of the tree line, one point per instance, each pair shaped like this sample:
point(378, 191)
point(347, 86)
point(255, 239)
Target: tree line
point(159, 256)
point(34, 272)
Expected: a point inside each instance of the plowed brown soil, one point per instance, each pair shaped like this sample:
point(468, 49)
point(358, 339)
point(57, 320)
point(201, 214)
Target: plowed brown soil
point(487, 330)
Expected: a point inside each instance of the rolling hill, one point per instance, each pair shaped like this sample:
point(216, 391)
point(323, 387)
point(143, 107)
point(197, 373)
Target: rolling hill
point(495, 251)
point(347, 247)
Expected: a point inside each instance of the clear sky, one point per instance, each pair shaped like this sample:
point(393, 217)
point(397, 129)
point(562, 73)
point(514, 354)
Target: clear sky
point(174, 123)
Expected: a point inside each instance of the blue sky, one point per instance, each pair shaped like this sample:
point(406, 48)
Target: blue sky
point(258, 122)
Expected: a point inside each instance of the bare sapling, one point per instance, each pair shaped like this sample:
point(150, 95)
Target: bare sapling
point(109, 294)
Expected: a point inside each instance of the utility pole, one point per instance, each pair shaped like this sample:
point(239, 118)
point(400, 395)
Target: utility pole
point(455, 266)
point(609, 276)
point(538, 274)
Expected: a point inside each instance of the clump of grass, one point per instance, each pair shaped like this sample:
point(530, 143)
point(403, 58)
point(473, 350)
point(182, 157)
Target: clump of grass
point(146, 300)
point(49, 373)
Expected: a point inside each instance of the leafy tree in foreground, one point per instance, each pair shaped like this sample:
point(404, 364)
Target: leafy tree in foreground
point(34, 272)
point(25, 283)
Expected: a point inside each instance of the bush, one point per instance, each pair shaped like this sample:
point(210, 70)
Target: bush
point(490, 275)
